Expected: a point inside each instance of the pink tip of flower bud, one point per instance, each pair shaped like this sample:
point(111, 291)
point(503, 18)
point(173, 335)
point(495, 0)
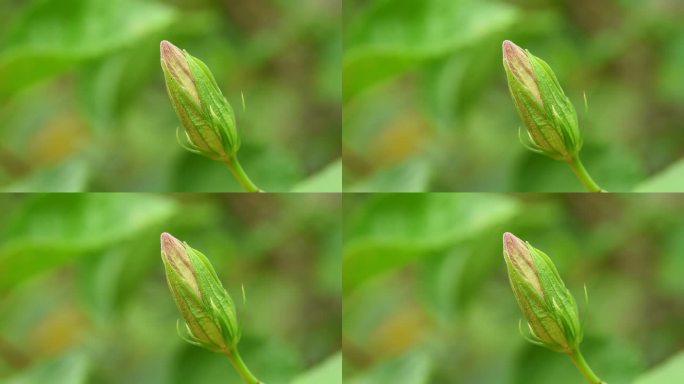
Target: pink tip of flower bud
point(519, 255)
point(166, 48)
point(508, 48)
point(171, 247)
point(174, 61)
point(518, 64)
point(513, 245)
point(176, 256)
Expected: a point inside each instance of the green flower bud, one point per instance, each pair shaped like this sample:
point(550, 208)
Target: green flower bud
point(546, 112)
point(548, 307)
point(206, 116)
point(206, 307)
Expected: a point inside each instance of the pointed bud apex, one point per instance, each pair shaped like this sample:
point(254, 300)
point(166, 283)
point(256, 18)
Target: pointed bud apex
point(206, 307)
point(173, 60)
point(176, 257)
point(518, 64)
point(548, 115)
point(518, 254)
point(206, 116)
point(548, 307)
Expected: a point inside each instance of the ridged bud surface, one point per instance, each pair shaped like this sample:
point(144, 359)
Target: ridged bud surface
point(547, 305)
point(548, 115)
point(206, 116)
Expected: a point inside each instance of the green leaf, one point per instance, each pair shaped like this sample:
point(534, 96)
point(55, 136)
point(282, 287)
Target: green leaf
point(669, 180)
point(410, 176)
point(392, 36)
point(671, 371)
point(52, 229)
point(412, 368)
point(51, 36)
point(70, 176)
point(115, 276)
point(670, 267)
point(329, 372)
point(70, 368)
point(327, 180)
point(392, 230)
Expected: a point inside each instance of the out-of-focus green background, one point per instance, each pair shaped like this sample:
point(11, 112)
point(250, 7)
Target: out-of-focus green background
point(83, 104)
point(426, 298)
point(426, 106)
point(83, 296)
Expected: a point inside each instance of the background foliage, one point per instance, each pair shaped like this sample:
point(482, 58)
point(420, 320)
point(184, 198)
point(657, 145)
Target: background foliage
point(426, 105)
point(426, 298)
point(83, 104)
point(83, 297)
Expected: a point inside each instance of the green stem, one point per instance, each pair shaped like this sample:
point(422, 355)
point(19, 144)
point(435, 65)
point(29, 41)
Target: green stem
point(241, 367)
point(578, 168)
point(240, 175)
point(583, 367)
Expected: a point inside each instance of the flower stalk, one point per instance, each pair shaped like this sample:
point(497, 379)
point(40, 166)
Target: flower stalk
point(547, 305)
point(240, 175)
point(584, 176)
point(205, 306)
point(583, 367)
point(547, 114)
point(241, 368)
point(205, 115)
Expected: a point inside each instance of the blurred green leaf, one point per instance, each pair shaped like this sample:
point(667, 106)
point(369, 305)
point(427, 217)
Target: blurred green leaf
point(328, 372)
point(391, 36)
point(412, 368)
point(671, 77)
point(70, 176)
point(395, 229)
point(671, 371)
point(327, 180)
point(50, 37)
point(51, 229)
point(669, 180)
point(100, 280)
point(71, 368)
point(410, 176)
point(671, 266)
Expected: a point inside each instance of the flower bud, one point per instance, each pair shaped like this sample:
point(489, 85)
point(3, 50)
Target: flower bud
point(206, 116)
point(206, 307)
point(546, 112)
point(548, 307)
